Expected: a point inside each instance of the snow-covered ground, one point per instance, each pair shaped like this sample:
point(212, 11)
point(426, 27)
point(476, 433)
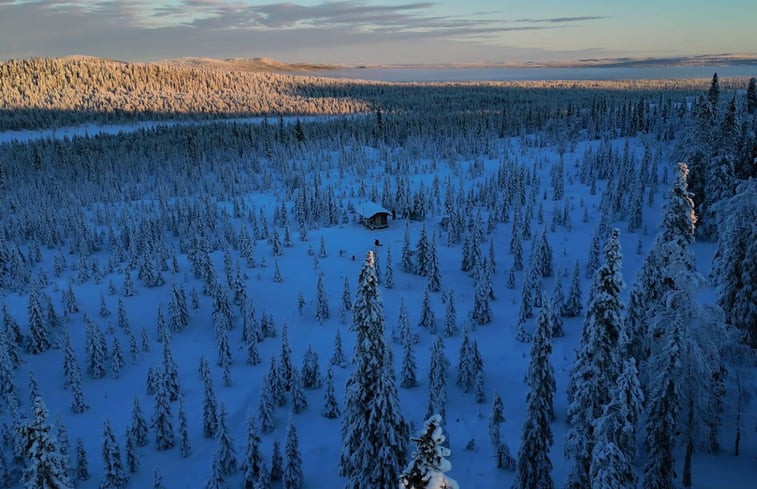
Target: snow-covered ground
point(505, 359)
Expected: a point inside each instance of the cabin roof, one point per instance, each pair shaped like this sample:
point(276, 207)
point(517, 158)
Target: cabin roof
point(368, 209)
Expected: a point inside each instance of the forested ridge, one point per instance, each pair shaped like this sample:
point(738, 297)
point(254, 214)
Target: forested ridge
point(53, 92)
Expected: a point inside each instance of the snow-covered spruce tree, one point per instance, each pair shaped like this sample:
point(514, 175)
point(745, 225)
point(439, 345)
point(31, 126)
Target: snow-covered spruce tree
point(311, 372)
point(408, 377)
point(39, 449)
point(466, 368)
point(422, 266)
point(427, 319)
point(138, 424)
point(374, 432)
point(534, 467)
point(225, 453)
point(321, 301)
point(96, 350)
point(432, 262)
point(292, 468)
point(285, 369)
point(615, 431)
point(132, 453)
point(694, 335)
point(437, 380)
point(252, 461)
point(735, 263)
point(116, 358)
point(388, 269)
point(299, 401)
point(185, 446)
point(276, 382)
point(81, 470)
point(209, 408)
point(346, 306)
point(481, 313)
point(114, 476)
point(338, 358)
point(597, 364)
point(330, 404)
point(426, 469)
point(171, 372)
point(406, 262)
point(37, 341)
point(162, 418)
point(177, 308)
point(574, 302)
point(450, 315)
point(266, 409)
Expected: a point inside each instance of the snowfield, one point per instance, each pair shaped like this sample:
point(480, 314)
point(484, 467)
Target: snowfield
point(185, 193)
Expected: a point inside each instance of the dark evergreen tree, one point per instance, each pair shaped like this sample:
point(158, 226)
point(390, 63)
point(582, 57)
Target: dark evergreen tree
point(407, 375)
point(338, 358)
point(81, 470)
point(44, 466)
point(177, 309)
point(209, 409)
point(225, 453)
point(713, 94)
point(598, 362)
point(389, 269)
point(138, 425)
point(373, 429)
point(94, 344)
point(450, 315)
point(252, 462)
point(437, 380)
point(574, 303)
point(429, 463)
point(534, 466)
point(277, 462)
point(330, 403)
point(346, 307)
point(615, 447)
point(266, 409)
point(406, 262)
point(162, 418)
point(37, 341)
point(285, 369)
point(322, 302)
point(735, 263)
point(114, 476)
point(132, 453)
point(292, 468)
point(311, 372)
point(185, 446)
point(751, 96)
point(427, 319)
point(299, 401)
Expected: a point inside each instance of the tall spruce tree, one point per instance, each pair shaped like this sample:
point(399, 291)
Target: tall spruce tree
point(533, 470)
point(597, 362)
point(44, 465)
point(374, 432)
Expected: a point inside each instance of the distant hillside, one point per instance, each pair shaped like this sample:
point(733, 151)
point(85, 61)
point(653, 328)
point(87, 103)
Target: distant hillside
point(253, 65)
point(45, 92)
point(54, 92)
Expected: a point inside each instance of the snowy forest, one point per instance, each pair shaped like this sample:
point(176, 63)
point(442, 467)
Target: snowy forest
point(565, 294)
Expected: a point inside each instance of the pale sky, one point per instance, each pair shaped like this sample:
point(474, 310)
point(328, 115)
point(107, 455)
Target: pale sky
point(373, 32)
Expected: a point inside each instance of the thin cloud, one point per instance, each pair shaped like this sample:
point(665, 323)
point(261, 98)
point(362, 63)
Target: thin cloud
point(341, 31)
point(559, 20)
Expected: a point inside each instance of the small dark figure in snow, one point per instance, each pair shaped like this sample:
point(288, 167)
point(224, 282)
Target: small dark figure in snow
point(376, 242)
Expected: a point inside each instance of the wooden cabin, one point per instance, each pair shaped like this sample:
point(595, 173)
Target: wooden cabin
point(372, 215)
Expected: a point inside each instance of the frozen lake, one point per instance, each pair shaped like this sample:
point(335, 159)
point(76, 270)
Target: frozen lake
point(501, 74)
